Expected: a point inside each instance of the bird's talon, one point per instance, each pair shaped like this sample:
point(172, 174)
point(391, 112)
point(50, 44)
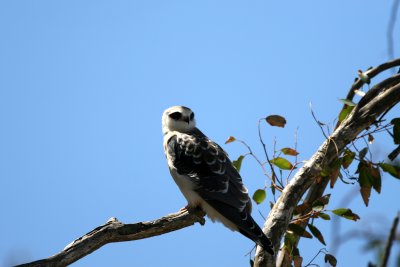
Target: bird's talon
point(186, 208)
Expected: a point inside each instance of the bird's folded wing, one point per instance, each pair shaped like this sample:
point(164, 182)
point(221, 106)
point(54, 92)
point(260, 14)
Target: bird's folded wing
point(208, 166)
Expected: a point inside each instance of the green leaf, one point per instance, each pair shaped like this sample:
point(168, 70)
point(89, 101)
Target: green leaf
point(345, 112)
point(335, 171)
point(317, 233)
point(347, 102)
point(348, 157)
point(289, 242)
point(276, 120)
point(273, 190)
point(259, 196)
point(364, 181)
point(346, 213)
point(396, 130)
point(298, 230)
point(289, 151)
point(391, 169)
point(331, 259)
point(282, 163)
point(376, 178)
point(238, 163)
point(369, 177)
point(324, 216)
point(325, 173)
point(320, 203)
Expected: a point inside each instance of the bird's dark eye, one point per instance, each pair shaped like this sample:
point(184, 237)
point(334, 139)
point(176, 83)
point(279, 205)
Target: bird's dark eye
point(192, 116)
point(175, 115)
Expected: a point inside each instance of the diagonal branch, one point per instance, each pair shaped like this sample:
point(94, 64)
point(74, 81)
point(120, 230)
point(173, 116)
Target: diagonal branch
point(115, 231)
point(377, 102)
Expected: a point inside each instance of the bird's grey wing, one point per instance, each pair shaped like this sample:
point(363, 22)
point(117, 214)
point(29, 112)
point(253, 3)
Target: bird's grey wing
point(208, 166)
point(217, 182)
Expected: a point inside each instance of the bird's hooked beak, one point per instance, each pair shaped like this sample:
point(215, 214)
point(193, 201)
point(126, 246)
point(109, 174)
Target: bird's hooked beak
point(186, 119)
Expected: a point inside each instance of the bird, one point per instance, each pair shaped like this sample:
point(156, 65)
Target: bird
point(206, 176)
point(364, 77)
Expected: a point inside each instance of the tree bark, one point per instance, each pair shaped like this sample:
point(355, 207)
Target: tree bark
point(115, 231)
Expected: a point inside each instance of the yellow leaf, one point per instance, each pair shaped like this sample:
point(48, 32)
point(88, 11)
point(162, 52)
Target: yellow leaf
point(276, 120)
point(297, 260)
point(365, 194)
point(289, 151)
point(230, 140)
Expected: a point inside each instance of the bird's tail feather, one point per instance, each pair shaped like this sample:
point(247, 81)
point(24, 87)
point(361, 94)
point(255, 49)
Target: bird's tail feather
point(259, 238)
point(243, 221)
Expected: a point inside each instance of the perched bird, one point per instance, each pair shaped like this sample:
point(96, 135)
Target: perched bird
point(363, 77)
point(206, 176)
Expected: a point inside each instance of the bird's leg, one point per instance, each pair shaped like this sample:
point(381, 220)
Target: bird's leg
point(196, 211)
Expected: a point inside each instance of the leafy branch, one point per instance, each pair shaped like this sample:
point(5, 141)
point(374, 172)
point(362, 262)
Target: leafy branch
point(325, 164)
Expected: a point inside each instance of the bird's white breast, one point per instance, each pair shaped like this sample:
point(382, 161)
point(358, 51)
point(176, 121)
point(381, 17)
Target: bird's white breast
point(187, 188)
point(195, 200)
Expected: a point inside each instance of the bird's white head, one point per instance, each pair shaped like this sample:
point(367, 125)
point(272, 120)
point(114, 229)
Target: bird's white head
point(178, 118)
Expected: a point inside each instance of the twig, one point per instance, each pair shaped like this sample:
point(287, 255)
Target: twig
point(115, 231)
point(266, 153)
point(389, 243)
point(318, 122)
point(322, 250)
point(279, 188)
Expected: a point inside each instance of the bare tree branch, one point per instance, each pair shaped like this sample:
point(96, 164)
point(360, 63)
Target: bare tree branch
point(393, 155)
point(376, 101)
point(115, 231)
point(389, 243)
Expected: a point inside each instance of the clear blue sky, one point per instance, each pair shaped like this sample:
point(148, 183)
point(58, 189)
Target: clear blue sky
point(83, 85)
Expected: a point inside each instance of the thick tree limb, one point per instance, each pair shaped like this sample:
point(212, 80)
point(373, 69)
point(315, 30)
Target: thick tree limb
point(379, 99)
point(317, 189)
point(115, 231)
